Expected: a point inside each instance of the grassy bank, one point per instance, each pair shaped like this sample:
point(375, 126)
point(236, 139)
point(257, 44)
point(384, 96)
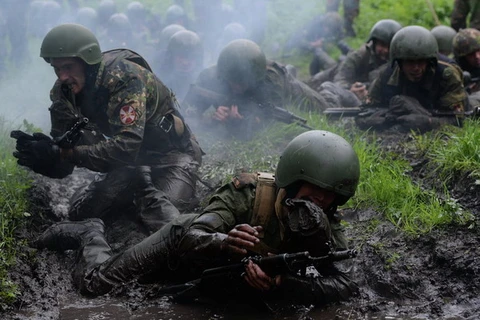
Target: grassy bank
point(13, 210)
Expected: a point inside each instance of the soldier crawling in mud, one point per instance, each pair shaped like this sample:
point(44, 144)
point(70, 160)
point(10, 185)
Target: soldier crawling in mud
point(417, 91)
point(359, 68)
point(466, 49)
point(291, 211)
point(242, 86)
point(133, 121)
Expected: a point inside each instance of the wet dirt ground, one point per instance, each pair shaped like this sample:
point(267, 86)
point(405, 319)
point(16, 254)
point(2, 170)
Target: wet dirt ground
point(401, 277)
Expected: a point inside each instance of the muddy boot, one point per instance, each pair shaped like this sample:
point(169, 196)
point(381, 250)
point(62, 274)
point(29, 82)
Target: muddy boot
point(69, 235)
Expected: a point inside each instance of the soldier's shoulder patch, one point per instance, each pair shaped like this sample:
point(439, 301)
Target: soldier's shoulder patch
point(242, 180)
point(128, 115)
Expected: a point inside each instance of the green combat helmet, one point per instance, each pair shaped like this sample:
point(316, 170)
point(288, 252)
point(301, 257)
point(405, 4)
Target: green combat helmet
point(71, 40)
point(384, 30)
point(186, 44)
point(174, 15)
point(243, 62)
point(465, 42)
point(87, 17)
point(322, 158)
point(415, 43)
point(444, 36)
point(136, 12)
point(167, 33)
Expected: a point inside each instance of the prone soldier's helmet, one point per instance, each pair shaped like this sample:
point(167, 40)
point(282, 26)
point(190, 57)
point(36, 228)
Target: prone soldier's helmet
point(384, 30)
point(87, 17)
point(413, 43)
point(242, 61)
point(167, 33)
point(322, 158)
point(444, 36)
point(119, 24)
point(465, 42)
point(185, 43)
point(106, 9)
point(174, 14)
point(136, 12)
point(71, 40)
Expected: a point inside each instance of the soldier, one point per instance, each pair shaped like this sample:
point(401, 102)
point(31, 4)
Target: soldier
point(351, 9)
point(119, 33)
point(361, 66)
point(182, 63)
point(137, 15)
point(176, 15)
point(105, 10)
point(133, 121)
point(87, 17)
point(444, 36)
point(293, 210)
point(415, 86)
point(463, 8)
point(243, 84)
point(466, 49)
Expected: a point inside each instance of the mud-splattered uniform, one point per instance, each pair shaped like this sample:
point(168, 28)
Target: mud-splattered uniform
point(192, 243)
point(133, 120)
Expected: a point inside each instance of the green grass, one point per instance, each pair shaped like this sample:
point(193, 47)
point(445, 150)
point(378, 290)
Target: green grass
point(13, 210)
point(453, 151)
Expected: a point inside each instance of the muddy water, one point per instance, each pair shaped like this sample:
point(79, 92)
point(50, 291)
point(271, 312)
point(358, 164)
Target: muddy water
point(75, 308)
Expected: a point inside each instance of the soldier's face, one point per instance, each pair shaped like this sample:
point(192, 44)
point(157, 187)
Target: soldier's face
point(184, 64)
point(321, 197)
point(237, 88)
point(382, 50)
point(414, 69)
point(473, 59)
point(71, 72)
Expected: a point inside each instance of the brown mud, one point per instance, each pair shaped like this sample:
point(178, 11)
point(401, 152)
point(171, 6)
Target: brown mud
point(436, 276)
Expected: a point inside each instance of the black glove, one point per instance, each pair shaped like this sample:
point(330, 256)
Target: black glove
point(37, 151)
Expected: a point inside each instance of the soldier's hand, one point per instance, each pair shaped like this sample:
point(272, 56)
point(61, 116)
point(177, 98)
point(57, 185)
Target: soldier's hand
point(234, 114)
point(241, 238)
point(360, 90)
point(258, 279)
point(222, 113)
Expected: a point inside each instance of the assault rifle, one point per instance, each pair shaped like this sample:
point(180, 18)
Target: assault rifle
point(217, 278)
point(279, 114)
point(336, 113)
point(70, 138)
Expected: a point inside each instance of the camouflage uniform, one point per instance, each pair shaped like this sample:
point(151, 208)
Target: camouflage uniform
point(191, 243)
point(359, 66)
point(130, 106)
point(461, 9)
point(351, 9)
point(441, 91)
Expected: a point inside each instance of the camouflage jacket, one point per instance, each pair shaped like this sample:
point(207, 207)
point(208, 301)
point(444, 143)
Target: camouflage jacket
point(133, 116)
point(441, 90)
point(233, 204)
point(358, 67)
point(461, 9)
point(279, 88)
